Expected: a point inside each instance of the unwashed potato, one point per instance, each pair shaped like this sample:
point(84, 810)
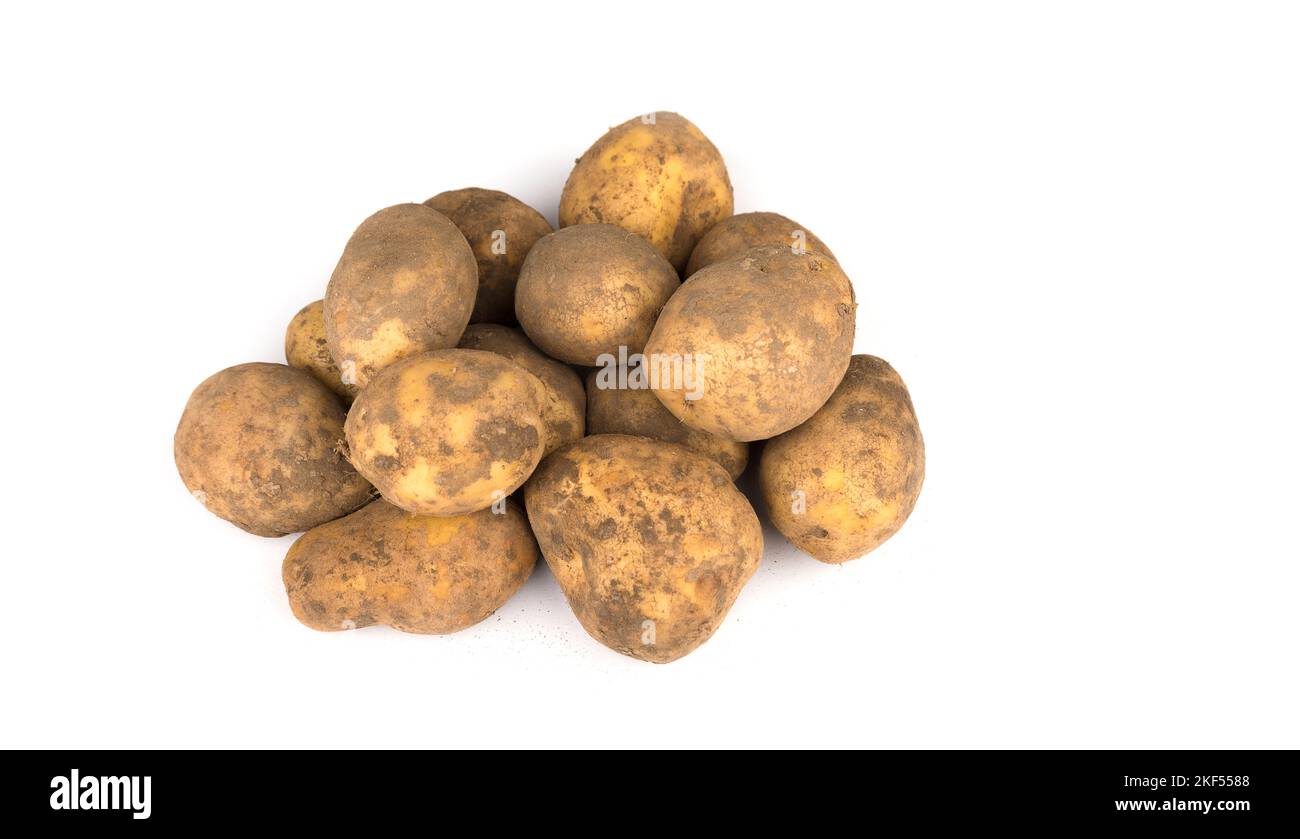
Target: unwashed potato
point(427, 574)
point(750, 348)
point(731, 237)
point(449, 431)
point(501, 229)
point(585, 291)
point(612, 409)
point(405, 284)
point(258, 444)
point(656, 175)
point(846, 480)
point(565, 409)
point(649, 541)
point(306, 348)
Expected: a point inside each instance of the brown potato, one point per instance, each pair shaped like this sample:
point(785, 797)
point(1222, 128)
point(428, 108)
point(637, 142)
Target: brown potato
point(655, 175)
point(448, 432)
point(306, 348)
point(649, 541)
point(427, 574)
point(501, 229)
point(405, 284)
point(565, 410)
point(750, 348)
point(732, 237)
point(258, 445)
point(588, 290)
point(846, 480)
point(638, 412)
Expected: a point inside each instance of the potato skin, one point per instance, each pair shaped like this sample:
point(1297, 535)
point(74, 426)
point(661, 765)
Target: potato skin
point(732, 237)
point(664, 182)
point(565, 409)
point(258, 445)
point(405, 284)
point(479, 214)
point(448, 432)
point(639, 413)
point(772, 333)
point(588, 290)
point(649, 541)
point(859, 463)
point(428, 574)
point(306, 348)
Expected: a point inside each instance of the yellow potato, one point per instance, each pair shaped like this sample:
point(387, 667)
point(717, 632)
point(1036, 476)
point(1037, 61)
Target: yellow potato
point(588, 290)
point(448, 432)
point(636, 411)
point(405, 284)
point(258, 445)
point(427, 574)
point(846, 480)
point(750, 348)
point(655, 175)
point(566, 404)
point(501, 229)
point(649, 541)
point(306, 348)
point(732, 237)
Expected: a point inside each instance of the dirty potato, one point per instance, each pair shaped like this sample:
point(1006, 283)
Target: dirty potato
point(448, 432)
point(258, 444)
point(405, 284)
point(649, 541)
point(501, 229)
point(750, 348)
point(846, 480)
point(566, 406)
point(655, 175)
point(588, 290)
point(634, 410)
point(732, 237)
point(306, 348)
point(429, 574)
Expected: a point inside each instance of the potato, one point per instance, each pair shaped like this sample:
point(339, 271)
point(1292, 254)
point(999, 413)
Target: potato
point(258, 445)
point(427, 574)
point(588, 290)
point(501, 229)
point(565, 409)
point(637, 412)
point(846, 480)
point(649, 541)
point(731, 237)
point(405, 284)
point(657, 176)
point(449, 431)
point(750, 348)
point(306, 348)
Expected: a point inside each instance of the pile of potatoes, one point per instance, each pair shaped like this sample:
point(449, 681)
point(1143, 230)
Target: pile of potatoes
point(613, 372)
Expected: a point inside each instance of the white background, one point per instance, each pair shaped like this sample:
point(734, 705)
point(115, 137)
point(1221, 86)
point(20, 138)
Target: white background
point(1073, 228)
